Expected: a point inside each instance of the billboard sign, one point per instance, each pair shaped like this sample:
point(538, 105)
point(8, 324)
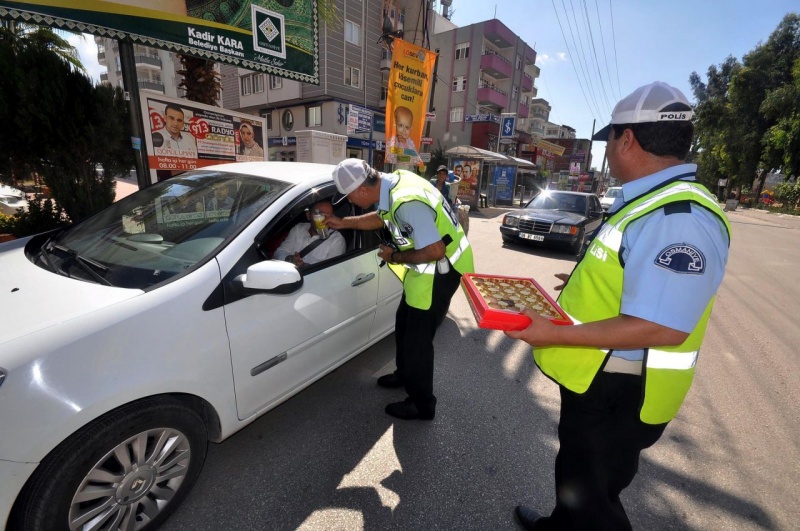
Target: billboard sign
point(183, 135)
point(273, 36)
point(359, 119)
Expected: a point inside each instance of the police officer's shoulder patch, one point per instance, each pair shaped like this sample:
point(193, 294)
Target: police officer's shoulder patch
point(682, 258)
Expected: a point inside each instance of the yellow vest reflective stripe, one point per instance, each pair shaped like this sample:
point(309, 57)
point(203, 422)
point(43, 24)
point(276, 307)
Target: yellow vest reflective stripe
point(418, 278)
point(594, 292)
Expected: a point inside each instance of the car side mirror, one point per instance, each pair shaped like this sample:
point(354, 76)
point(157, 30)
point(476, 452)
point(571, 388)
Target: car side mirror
point(596, 213)
point(272, 276)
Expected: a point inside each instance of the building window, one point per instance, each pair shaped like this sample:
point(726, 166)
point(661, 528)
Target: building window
point(352, 32)
point(514, 92)
point(287, 120)
point(384, 93)
point(246, 84)
point(519, 62)
point(314, 116)
point(258, 83)
point(352, 76)
point(459, 83)
point(268, 116)
point(275, 82)
point(462, 50)
point(457, 114)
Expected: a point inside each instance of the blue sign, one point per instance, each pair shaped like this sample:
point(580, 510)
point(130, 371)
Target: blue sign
point(364, 118)
point(503, 180)
point(282, 141)
point(507, 126)
point(482, 118)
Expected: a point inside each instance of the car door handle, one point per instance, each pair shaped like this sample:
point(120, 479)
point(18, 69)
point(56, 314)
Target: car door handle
point(362, 279)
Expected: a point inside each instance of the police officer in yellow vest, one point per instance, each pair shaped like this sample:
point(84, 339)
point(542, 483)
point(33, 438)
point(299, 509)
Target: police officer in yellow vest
point(640, 299)
point(430, 254)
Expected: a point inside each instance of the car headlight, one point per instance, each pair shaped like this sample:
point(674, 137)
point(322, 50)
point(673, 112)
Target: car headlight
point(564, 229)
point(511, 221)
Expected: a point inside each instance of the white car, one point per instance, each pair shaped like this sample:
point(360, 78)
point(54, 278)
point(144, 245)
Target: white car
point(11, 200)
point(132, 339)
point(610, 196)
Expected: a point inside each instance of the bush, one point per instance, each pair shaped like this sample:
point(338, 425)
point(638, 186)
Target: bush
point(789, 193)
point(42, 215)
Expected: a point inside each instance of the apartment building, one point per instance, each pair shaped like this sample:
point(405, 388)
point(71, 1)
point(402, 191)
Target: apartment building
point(539, 117)
point(155, 69)
point(484, 70)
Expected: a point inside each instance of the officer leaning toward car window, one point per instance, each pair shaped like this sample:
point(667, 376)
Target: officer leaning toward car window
point(430, 254)
point(640, 299)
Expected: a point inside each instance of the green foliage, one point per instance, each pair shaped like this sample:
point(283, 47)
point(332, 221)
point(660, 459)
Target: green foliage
point(58, 124)
point(747, 117)
point(788, 193)
point(42, 215)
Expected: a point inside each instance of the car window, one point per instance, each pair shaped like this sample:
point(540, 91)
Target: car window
point(161, 231)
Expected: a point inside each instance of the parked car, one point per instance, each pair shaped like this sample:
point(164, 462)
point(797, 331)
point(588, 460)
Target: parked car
point(554, 218)
point(610, 196)
point(12, 199)
point(158, 325)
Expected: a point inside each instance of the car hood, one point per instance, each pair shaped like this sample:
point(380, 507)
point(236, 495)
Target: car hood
point(32, 298)
point(556, 216)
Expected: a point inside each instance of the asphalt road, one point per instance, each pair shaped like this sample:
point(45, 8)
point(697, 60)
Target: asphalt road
point(330, 459)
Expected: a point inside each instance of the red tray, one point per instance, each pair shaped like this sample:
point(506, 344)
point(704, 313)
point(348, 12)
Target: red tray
point(496, 301)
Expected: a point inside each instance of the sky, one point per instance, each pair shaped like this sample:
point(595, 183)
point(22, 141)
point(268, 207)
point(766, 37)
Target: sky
point(635, 42)
point(655, 40)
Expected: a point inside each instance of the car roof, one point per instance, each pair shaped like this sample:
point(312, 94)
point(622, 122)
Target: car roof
point(290, 172)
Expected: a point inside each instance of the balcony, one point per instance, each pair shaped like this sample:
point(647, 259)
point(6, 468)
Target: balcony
point(527, 82)
point(498, 34)
point(101, 56)
point(104, 77)
point(534, 71)
point(530, 56)
point(386, 64)
point(496, 66)
point(523, 111)
point(148, 61)
point(152, 85)
point(488, 95)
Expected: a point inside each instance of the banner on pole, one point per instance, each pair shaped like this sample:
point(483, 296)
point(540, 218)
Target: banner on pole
point(409, 89)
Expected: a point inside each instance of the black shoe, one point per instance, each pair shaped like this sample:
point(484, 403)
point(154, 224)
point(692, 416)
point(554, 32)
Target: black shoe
point(407, 410)
point(390, 381)
point(527, 517)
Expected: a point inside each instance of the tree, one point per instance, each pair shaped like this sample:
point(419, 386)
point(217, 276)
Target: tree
point(21, 44)
point(58, 124)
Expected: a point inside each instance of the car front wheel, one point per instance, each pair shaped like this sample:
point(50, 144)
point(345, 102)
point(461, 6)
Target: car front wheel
point(126, 470)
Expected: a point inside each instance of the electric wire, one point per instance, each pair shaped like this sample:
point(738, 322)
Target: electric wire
point(583, 59)
point(596, 60)
point(614, 38)
point(605, 55)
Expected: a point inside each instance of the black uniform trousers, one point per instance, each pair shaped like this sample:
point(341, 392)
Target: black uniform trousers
point(600, 436)
point(414, 331)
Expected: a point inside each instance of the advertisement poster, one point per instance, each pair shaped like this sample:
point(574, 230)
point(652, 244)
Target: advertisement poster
point(275, 36)
point(407, 102)
point(469, 171)
point(503, 180)
point(184, 135)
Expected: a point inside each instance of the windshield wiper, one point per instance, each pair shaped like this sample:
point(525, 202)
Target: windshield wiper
point(87, 264)
point(43, 254)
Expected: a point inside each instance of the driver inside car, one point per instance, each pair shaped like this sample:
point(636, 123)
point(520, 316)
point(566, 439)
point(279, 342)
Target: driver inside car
point(305, 246)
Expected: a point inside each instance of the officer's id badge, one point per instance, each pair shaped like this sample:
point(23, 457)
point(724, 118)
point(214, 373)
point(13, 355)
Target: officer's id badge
point(682, 258)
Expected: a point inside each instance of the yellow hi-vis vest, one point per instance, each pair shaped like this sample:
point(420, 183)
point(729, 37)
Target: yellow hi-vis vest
point(594, 292)
point(418, 278)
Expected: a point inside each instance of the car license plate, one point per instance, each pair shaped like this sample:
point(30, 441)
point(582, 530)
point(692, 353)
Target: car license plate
point(534, 237)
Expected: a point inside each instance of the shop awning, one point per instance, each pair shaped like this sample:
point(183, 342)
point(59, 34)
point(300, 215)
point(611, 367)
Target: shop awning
point(471, 152)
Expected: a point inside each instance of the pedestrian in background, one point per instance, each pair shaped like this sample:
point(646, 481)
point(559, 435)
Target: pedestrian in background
point(640, 299)
point(430, 252)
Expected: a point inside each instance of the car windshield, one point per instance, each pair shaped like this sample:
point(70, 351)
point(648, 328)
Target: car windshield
point(614, 192)
point(548, 200)
point(161, 231)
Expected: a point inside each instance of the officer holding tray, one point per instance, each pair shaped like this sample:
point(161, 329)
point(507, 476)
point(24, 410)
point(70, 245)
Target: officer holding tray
point(640, 300)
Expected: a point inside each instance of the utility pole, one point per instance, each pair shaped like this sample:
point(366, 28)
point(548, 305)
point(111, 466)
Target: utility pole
point(128, 67)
